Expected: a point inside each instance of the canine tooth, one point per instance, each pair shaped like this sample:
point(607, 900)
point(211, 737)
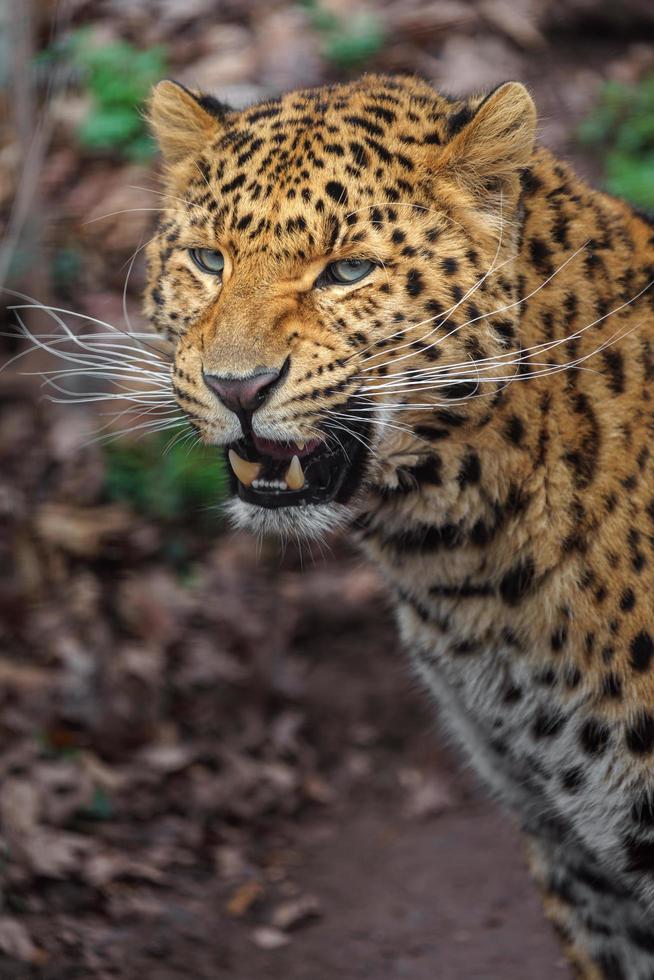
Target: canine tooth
point(300, 444)
point(294, 475)
point(245, 472)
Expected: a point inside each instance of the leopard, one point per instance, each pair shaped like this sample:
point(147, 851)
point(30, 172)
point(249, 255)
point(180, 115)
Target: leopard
point(401, 317)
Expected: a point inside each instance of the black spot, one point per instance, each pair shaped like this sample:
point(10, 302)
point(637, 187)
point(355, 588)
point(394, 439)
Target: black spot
point(642, 811)
point(517, 582)
point(404, 161)
point(643, 938)
point(546, 724)
point(458, 389)
point(641, 651)
point(540, 254)
point(233, 185)
point(611, 966)
point(572, 779)
point(465, 590)
point(592, 878)
point(265, 112)
point(414, 282)
point(466, 646)
point(546, 677)
point(435, 308)
point(470, 471)
point(431, 434)
point(514, 430)
point(425, 537)
point(639, 854)
point(558, 639)
point(614, 364)
point(627, 600)
point(639, 736)
point(429, 471)
point(511, 694)
point(612, 686)
point(398, 237)
point(380, 150)
point(530, 182)
point(244, 222)
point(449, 266)
point(360, 123)
point(594, 736)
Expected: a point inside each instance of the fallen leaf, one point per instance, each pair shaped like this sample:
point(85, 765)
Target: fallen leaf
point(16, 941)
point(266, 937)
point(296, 912)
point(244, 898)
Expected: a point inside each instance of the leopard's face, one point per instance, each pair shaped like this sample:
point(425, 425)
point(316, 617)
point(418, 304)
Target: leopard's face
point(330, 267)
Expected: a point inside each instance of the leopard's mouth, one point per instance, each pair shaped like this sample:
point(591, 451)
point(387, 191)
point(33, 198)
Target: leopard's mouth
point(276, 474)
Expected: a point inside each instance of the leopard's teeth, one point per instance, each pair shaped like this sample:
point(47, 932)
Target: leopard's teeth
point(295, 475)
point(300, 444)
point(269, 485)
point(245, 472)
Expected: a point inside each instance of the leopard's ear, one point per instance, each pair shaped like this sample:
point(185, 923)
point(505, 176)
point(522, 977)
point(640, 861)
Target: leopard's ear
point(184, 122)
point(491, 140)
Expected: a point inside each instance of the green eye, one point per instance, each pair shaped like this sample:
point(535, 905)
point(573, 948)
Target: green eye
point(208, 260)
point(346, 271)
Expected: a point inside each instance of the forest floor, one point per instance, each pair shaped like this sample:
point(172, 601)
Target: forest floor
point(223, 768)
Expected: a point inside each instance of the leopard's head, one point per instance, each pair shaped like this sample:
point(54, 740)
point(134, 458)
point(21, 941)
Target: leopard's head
point(333, 268)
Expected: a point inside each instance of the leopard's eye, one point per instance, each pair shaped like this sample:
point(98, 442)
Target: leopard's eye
point(345, 271)
point(208, 260)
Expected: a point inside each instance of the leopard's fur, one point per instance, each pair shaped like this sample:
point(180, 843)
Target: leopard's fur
point(510, 504)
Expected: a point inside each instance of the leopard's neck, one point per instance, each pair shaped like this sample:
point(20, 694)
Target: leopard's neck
point(497, 505)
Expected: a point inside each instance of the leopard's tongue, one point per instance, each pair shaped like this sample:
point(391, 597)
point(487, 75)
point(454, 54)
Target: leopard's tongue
point(284, 450)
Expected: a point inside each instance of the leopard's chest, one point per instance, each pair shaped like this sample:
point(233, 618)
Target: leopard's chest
point(516, 723)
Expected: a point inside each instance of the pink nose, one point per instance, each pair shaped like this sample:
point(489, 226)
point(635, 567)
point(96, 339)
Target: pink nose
point(243, 395)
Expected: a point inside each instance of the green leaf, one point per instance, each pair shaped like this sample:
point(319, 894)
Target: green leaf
point(167, 482)
point(118, 78)
point(109, 127)
point(622, 124)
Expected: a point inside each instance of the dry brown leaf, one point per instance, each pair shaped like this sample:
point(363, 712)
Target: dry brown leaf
point(16, 941)
point(81, 531)
point(427, 794)
point(244, 898)
point(266, 937)
point(295, 912)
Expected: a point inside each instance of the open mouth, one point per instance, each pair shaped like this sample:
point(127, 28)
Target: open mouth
point(291, 474)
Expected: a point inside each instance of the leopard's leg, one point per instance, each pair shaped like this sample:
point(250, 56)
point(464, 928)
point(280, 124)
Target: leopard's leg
point(604, 928)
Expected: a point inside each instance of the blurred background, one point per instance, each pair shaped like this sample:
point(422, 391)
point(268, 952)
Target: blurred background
point(213, 760)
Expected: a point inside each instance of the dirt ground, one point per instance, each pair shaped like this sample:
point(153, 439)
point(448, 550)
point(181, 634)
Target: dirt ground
point(398, 867)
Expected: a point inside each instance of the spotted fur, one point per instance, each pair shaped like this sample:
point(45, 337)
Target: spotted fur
point(508, 495)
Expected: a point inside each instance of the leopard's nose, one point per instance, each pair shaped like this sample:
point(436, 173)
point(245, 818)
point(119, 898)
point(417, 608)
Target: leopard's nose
point(243, 395)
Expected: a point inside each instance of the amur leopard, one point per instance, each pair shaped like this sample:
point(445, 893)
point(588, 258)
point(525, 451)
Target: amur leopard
point(400, 315)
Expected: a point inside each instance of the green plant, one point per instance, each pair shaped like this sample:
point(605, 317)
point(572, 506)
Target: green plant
point(170, 482)
point(67, 265)
point(347, 42)
point(118, 78)
point(622, 126)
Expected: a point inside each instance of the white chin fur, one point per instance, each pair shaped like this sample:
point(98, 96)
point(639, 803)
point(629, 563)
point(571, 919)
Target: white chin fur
point(312, 521)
